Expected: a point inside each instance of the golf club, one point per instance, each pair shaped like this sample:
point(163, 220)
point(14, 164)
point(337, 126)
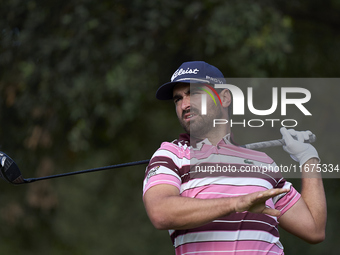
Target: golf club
point(10, 172)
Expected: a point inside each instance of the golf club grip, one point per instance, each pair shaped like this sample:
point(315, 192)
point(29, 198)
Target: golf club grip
point(272, 143)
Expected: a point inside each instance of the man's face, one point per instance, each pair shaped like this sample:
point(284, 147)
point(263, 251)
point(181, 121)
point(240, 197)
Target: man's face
point(187, 101)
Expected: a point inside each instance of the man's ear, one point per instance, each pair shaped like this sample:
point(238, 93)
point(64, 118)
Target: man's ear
point(225, 97)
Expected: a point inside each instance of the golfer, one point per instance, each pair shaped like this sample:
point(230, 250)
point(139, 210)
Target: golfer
point(208, 211)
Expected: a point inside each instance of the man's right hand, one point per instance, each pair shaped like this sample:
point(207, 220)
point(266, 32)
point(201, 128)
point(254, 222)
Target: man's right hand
point(256, 202)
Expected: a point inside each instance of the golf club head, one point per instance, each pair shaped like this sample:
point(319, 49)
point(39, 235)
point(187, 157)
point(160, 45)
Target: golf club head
point(9, 170)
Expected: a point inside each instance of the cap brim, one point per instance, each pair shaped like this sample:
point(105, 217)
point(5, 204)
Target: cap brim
point(165, 92)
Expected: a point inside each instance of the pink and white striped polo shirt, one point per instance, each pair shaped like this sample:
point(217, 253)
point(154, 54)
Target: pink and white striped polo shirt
point(225, 170)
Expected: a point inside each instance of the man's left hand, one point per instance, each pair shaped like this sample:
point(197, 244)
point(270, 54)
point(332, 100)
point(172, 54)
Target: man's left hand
point(296, 147)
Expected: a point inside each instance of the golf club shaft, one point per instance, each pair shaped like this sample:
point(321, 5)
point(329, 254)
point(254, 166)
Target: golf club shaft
point(258, 145)
point(141, 162)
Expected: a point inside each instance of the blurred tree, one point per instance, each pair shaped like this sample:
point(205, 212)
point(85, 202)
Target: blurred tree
point(77, 85)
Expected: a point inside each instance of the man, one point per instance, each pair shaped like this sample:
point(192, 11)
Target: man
point(225, 212)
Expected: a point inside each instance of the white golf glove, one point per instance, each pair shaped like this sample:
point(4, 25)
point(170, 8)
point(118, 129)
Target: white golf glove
point(296, 147)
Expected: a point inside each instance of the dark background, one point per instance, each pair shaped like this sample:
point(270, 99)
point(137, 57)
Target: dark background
point(77, 86)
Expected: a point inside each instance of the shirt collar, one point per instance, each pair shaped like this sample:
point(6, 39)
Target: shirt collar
point(227, 139)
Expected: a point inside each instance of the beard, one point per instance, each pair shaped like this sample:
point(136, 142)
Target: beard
point(202, 124)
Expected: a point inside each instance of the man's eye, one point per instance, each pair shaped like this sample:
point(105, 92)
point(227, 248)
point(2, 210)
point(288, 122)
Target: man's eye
point(195, 92)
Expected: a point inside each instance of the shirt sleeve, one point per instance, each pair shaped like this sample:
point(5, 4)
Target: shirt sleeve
point(284, 202)
point(162, 169)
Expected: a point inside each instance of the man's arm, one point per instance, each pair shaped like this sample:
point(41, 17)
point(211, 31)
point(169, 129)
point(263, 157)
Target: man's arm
point(307, 218)
point(168, 210)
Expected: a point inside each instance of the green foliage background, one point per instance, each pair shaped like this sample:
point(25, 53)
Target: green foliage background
point(77, 86)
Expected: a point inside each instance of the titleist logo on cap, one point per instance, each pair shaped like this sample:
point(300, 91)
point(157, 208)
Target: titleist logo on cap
point(182, 71)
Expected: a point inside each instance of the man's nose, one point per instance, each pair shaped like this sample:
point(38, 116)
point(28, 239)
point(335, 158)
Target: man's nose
point(186, 103)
